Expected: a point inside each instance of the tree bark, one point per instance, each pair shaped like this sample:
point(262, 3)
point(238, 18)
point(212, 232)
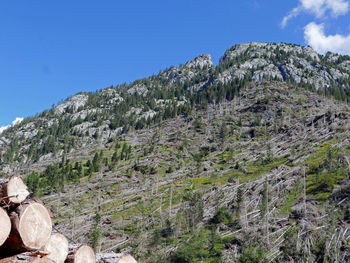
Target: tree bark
point(57, 248)
point(81, 254)
point(31, 228)
point(5, 224)
point(13, 190)
point(26, 258)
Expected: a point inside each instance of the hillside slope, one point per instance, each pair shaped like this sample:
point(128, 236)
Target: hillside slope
point(243, 162)
point(235, 172)
point(87, 120)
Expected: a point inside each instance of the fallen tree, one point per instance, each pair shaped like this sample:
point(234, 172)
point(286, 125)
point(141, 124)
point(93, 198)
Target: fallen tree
point(112, 257)
point(26, 258)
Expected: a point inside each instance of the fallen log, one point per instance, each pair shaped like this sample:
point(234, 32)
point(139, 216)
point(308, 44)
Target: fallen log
point(13, 190)
point(112, 257)
point(57, 248)
point(5, 226)
point(31, 227)
point(26, 258)
point(81, 254)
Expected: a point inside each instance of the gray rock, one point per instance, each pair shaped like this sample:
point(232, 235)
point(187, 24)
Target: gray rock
point(73, 102)
point(140, 89)
point(203, 61)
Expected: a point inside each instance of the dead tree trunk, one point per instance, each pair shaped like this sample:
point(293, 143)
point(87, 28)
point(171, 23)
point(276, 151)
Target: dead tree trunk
point(57, 248)
point(13, 190)
point(31, 228)
point(81, 254)
point(112, 257)
point(5, 224)
point(26, 258)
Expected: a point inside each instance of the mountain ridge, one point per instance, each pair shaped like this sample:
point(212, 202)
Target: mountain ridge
point(244, 62)
point(246, 161)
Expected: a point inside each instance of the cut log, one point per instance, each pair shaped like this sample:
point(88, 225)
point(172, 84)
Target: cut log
point(127, 259)
point(26, 258)
point(57, 247)
point(5, 226)
point(81, 254)
point(31, 228)
point(112, 257)
point(13, 190)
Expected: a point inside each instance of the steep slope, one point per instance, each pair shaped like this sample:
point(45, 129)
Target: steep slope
point(230, 178)
point(87, 120)
point(244, 162)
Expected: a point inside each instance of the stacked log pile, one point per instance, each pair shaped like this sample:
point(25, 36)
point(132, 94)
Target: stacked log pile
point(26, 231)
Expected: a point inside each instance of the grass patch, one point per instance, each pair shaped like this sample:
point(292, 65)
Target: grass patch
point(292, 196)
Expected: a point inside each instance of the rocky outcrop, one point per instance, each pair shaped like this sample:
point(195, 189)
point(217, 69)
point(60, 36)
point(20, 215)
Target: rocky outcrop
point(201, 62)
point(74, 102)
point(267, 61)
point(89, 118)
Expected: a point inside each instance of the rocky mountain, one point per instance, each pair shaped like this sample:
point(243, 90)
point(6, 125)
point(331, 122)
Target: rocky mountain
point(95, 118)
point(246, 161)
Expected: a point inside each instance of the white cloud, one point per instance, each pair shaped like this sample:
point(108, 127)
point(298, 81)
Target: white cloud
point(16, 121)
point(318, 8)
point(315, 36)
point(295, 12)
point(4, 128)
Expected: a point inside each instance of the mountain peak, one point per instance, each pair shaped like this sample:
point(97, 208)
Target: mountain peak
point(258, 48)
point(201, 62)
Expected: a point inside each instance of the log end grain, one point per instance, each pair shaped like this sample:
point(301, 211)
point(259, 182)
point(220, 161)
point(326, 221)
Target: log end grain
point(81, 254)
point(5, 226)
point(35, 225)
point(57, 247)
point(127, 259)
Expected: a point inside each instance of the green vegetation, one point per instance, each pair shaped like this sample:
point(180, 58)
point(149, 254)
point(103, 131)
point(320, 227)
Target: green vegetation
point(325, 170)
point(215, 169)
point(57, 176)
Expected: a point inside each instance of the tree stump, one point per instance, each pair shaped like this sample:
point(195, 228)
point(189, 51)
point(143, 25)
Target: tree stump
point(31, 228)
point(13, 190)
point(81, 254)
point(5, 226)
point(57, 248)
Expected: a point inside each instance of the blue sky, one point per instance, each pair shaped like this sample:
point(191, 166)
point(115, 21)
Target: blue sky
point(50, 50)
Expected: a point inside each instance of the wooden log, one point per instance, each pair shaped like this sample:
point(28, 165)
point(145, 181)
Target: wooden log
point(5, 226)
point(127, 259)
point(57, 248)
point(81, 254)
point(26, 258)
point(31, 228)
point(13, 190)
point(112, 257)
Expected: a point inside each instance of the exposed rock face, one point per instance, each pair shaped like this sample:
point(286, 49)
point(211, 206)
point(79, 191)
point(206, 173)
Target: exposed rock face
point(91, 118)
point(263, 61)
point(139, 89)
point(198, 67)
point(203, 61)
point(74, 102)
